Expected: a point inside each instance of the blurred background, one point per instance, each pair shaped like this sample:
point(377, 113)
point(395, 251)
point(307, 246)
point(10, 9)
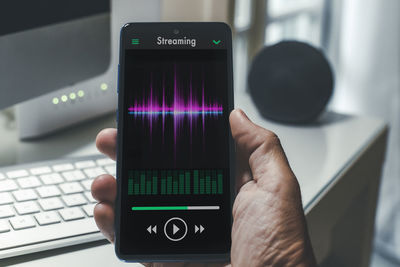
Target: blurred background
point(361, 38)
point(362, 41)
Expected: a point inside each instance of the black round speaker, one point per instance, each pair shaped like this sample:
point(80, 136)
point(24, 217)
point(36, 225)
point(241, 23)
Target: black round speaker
point(290, 82)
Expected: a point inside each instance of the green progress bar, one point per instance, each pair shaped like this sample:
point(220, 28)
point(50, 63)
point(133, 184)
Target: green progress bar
point(177, 208)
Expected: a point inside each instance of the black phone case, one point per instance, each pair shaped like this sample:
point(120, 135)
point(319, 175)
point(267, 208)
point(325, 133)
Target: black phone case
point(202, 27)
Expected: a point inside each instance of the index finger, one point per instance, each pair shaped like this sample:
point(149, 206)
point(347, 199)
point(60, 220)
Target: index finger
point(106, 142)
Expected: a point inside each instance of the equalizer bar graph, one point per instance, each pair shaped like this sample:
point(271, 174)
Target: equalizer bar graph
point(175, 182)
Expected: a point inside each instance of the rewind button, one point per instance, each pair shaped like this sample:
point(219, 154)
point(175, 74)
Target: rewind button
point(152, 229)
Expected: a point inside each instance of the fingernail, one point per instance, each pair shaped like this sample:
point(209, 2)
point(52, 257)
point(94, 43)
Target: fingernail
point(243, 114)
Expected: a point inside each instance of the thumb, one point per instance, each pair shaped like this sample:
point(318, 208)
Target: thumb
point(260, 156)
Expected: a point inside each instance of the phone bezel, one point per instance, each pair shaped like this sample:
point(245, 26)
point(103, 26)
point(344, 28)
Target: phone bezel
point(195, 27)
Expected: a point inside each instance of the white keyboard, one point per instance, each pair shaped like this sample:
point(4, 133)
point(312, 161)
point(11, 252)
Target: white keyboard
point(48, 205)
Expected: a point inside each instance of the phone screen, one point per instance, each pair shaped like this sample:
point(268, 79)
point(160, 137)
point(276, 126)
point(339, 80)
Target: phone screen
point(176, 155)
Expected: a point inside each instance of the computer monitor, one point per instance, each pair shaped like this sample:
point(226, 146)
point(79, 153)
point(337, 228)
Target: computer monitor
point(46, 45)
point(58, 59)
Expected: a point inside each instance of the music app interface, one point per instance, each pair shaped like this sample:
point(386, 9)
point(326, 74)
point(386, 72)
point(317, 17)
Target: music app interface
point(175, 187)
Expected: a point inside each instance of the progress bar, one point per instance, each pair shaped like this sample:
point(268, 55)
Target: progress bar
point(176, 208)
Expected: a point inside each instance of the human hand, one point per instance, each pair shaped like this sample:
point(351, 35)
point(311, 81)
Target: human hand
point(269, 227)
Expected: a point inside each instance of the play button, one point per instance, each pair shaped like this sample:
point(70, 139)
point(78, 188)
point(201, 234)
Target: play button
point(175, 229)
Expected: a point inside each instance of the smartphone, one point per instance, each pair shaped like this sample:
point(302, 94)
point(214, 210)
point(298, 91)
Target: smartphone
point(175, 151)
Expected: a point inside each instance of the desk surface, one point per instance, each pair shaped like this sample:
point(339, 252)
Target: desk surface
point(317, 153)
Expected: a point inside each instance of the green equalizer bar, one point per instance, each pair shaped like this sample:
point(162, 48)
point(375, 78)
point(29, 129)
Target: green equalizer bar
point(175, 208)
point(175, 182)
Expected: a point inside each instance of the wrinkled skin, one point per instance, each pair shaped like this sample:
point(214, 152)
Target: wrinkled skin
point(269, 227)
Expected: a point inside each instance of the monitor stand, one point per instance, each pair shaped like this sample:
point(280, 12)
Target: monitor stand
point(88, 99)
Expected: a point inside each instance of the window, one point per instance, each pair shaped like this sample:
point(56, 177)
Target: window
point(262, 22)
point(295, 19)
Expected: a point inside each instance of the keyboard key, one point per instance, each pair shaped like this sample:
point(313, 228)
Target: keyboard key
point(111, 170)
point(8, 185)
point(4, 226)
point(94, 172)
point(39, 203)
point(6, 211)
point(74, 200)
point(63, 167)
point(29, 182)
point(70, 188)
point(105, 161)
point(40, 170)
point(5, 198)
point(76, 175)
point(26, 207)
point(46, 218)
point(89, 196)
point(85, 164)
point(48, 191)
point(53, 203)
point(22, 222)
point(17, 173)
point(71, 214)
point(87, 184)
point(88, 209)
point(24, 195)
point(41, 235)
point(52, 178)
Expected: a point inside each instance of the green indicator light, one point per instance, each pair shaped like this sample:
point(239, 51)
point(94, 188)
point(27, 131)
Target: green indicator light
point(55, 101)
point(64, 98)
point(135, 41)
point(103, 86)
point(72, 96)
point(81, 93)
point(216, 42)
point(161, 208)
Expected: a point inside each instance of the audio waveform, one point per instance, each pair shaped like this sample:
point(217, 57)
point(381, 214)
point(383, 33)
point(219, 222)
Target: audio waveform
point(185, 104)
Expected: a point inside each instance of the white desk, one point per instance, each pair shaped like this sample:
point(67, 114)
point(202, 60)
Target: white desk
point(337, 160)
